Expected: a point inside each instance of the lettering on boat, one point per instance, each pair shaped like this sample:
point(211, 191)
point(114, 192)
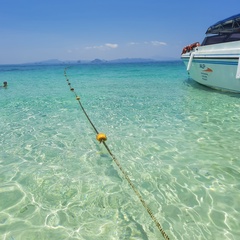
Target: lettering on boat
point(205, 71)
point(204, 76)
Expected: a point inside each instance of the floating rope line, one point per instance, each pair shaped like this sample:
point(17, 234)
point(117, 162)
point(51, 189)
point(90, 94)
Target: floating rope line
point(101, 137)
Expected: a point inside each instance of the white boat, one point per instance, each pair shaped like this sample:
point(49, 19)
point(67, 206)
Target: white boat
point(216, 62)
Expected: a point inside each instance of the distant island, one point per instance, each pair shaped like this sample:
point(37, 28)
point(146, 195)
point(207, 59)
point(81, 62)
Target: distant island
point(96, 61)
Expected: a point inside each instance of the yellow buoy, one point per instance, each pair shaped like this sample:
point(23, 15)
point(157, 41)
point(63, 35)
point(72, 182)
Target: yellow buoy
point(77, 98)
point(101, 137)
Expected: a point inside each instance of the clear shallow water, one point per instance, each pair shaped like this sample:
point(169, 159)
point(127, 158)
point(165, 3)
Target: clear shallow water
point(178, 142)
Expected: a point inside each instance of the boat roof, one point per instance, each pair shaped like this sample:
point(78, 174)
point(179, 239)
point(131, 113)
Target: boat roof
point(228, 25)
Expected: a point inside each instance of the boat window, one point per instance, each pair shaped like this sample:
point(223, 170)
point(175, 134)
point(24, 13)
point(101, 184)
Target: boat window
point(233, 37)
point(214, 39)
point(221, 38)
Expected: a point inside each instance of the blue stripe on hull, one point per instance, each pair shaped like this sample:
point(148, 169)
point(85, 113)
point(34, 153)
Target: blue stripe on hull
point(215, 62)
point(223, 62)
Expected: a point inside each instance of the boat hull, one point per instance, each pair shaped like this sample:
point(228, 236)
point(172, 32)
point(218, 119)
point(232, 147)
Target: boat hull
point(215, 66)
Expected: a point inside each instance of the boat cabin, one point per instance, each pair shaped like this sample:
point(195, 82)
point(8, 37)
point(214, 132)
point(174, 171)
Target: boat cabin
point(227, 30)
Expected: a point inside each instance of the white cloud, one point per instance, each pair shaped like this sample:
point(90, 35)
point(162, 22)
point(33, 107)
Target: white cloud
point(104, 47)
point(111, 45)
point(157, 43)
point(93, 47)
point(153, 43)
point(133, 43)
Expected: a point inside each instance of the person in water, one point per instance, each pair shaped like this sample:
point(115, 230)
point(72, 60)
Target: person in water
point(4, 85)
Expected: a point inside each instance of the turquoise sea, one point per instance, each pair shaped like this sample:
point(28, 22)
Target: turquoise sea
point(179, 143)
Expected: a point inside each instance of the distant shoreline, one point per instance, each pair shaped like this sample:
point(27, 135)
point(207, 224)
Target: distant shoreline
point(95, 61)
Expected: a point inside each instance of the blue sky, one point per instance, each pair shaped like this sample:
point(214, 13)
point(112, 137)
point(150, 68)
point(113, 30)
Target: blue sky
point(37, 30)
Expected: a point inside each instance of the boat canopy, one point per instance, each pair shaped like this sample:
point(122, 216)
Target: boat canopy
point(228, 25)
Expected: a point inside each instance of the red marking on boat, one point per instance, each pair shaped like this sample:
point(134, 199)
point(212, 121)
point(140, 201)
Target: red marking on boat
point(208, 70)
